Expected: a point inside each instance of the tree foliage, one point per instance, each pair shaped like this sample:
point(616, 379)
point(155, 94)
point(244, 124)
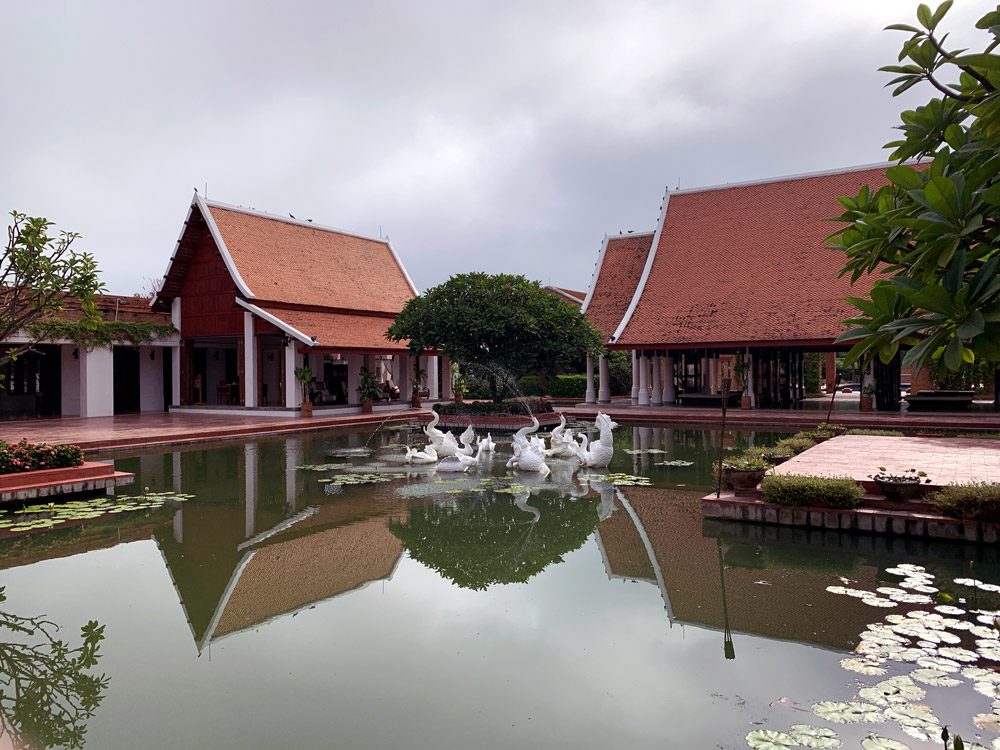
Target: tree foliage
point(38, 270)
point(504, 324)
point(48, 689)
point(491, 541)
point(932, 232)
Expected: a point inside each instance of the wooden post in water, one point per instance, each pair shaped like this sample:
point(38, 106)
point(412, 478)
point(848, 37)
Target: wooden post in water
point(722, 435)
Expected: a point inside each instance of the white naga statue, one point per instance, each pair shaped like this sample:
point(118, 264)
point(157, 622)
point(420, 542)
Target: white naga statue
point(529, 455)
point(561, 441)
point(599, 453)
point(444, 442)
point(427, 456)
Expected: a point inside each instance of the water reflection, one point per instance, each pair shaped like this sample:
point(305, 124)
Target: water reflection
point(49, 688)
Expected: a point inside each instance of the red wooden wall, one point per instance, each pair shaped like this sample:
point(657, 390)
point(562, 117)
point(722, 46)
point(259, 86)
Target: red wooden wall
point(208, 294)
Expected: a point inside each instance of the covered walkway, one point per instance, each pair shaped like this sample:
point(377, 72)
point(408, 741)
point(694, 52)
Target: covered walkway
point(138, 431)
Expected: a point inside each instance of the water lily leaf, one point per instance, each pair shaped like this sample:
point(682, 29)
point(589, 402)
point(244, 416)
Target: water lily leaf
point(770, 739)
point(809, 736)
point(989, 689)
point(911, 715)
point(863, 666)
point(934, 677)
point(840, 712)
point(989, 722)
point(874, 742)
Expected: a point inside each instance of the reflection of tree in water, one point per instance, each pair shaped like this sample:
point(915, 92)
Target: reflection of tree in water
point(489, 540)
point(47, 688)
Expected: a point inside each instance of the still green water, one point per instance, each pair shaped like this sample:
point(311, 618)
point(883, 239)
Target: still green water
point(277, 608)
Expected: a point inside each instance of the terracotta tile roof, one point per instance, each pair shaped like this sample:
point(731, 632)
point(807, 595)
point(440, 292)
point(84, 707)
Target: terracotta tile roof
point(115, 307)
point(339, 330)
point(291, 262)
point(570, 295)
point(747, 263)
point(619, 268)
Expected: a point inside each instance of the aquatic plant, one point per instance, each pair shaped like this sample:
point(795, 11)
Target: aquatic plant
point(47, 515)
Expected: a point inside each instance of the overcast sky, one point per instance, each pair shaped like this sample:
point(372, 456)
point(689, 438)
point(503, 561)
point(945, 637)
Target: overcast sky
point(495, 136)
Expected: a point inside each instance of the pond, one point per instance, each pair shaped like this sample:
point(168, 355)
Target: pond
point(315, 592)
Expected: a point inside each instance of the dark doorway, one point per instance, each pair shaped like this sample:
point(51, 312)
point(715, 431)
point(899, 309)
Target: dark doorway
point(126, 379)
point(167, 358)
point(31, 385)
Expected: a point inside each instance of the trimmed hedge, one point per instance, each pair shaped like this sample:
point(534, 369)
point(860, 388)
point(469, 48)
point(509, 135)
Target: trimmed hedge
point(975, 500)
point(568, 386)
point(870, 431)
point(25, 456)
point(834, 492)
point(511, 407)
point(530, 385)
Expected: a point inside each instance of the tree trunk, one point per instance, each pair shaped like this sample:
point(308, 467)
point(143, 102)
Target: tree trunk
point(494, 392)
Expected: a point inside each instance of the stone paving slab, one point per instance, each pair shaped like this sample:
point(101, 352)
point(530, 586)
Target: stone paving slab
point(946, 460)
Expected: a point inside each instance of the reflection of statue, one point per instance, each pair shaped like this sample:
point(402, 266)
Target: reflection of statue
point(47, 690)
point(492, 540)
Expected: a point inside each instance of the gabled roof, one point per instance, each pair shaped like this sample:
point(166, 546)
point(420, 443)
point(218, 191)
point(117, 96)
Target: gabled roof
point(328, 329)
point(619, 268)
point(743, 264)
point(570, 295)
point(293, 262)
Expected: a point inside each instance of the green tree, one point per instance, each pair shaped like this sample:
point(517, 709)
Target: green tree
point(932, 232)
point(37, 272)
point(48, 690)
point(502, 325)
point(491, 541)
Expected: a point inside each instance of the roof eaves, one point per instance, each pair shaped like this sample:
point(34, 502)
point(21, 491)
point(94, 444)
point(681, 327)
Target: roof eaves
point(276, 321)
point(641, 286)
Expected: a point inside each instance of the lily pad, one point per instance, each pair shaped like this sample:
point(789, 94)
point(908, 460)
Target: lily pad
point(809, 736)
point(770, 739)
point(841, 712)
point(874, 742)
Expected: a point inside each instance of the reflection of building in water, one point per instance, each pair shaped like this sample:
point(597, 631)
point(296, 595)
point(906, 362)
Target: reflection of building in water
point(773, 589)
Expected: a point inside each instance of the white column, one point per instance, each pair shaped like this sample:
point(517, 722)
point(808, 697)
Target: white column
point(249, 361)
point(431, 366)
point(635, 377)
point(293, 457)
point(669, 394)
point(293, 391)
point(251, 460)
point(151, 378)
point(657, 396)
point(446, 392)
point(604, 394)
point(643, 380)
point(591, 395)
point(175, 355)
point(97, 376)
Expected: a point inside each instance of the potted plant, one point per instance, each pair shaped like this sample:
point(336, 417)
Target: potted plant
point(905, 486)
point(742, 367)
point(369, 390)
point(304, 376)
point(743, 472)
point(867, 398)
point(458, 386)
point(418, 376)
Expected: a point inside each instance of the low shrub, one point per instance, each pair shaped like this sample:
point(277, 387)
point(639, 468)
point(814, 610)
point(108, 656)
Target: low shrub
point(512, 407)
point(833, 492)
point(25, 456)
point(568, 386)
point(771, 454)
point(815, 435)
point(980, 435)
point(795, 444)
point(872, 431)
point(746, 461)
point(976, 500)
point(530, 385)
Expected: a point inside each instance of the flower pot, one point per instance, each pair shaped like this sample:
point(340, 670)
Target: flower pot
point(746, 402)
point(366, 407)
point(900, 490)
point(744, 481)
point(306, 409)
point(459, 398)
point(867, 402)
point(415, 400)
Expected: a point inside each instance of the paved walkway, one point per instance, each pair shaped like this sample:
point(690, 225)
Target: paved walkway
point(164, 428)
point(792, 418)
point(945, 460)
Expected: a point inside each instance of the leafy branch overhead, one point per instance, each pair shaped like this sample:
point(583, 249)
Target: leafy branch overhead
point(504, 324)
point(931, 233)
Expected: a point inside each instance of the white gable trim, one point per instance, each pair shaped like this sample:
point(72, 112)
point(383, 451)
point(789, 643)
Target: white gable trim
point(170, 263)
point(274, 320)
point(204, 207)
point(645, 271)
point(402, 268)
